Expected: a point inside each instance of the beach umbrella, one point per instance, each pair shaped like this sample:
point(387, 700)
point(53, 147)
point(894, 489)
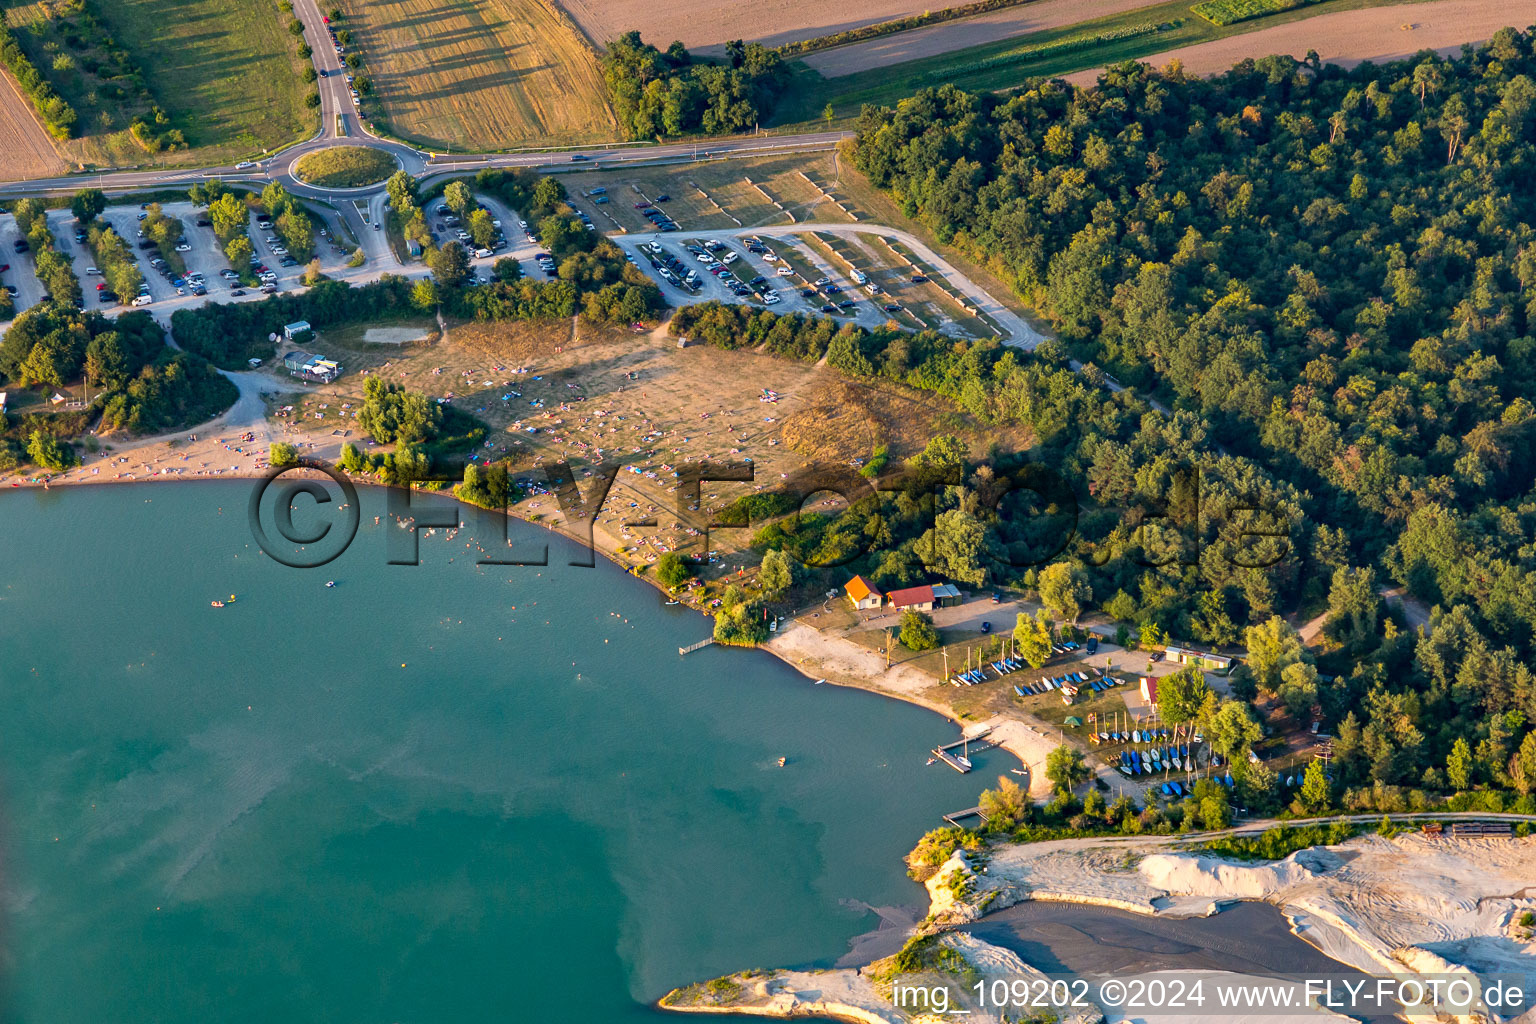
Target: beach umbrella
point(1073, 720)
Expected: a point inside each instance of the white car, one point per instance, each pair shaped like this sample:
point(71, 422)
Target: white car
point(770, 298)
point(244, 165)
point(92, 272)
point(142, 300)
point(729, 257)
point(785, 272)
point(481, 254)
point(771, 257)
point(183, 248)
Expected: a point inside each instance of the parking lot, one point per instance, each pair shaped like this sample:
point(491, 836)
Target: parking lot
point(810, 287)
point(23, 273)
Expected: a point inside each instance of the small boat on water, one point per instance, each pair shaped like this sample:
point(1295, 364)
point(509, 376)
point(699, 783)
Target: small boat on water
point(965, 762)
point(783, 761)
point(1019, 771)
point(330, 583)
point(818, 682)
point(932, 759)
point(674, 601)
point(217, 604)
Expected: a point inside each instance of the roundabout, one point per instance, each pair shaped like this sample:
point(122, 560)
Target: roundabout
point(340, 166)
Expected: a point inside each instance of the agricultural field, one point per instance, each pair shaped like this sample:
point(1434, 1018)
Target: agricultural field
point(885, 70)
point(706, 28)
point(26, 149)
point(224, 94)
point(480, 74)
point(1350, 37)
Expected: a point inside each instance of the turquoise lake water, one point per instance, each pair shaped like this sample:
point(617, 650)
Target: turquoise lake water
point(442, 792)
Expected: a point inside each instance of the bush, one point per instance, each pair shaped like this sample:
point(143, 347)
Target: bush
point(917, 631)
point(672, 570)
point(283, 454)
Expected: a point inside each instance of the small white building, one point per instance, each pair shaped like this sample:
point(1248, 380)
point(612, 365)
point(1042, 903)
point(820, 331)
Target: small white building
point(296, 329)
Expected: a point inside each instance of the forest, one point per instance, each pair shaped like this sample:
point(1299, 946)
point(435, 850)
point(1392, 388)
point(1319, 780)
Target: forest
point(1314, 285)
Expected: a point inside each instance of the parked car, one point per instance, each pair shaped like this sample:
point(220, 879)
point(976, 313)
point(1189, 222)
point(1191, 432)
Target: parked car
point(142, 300)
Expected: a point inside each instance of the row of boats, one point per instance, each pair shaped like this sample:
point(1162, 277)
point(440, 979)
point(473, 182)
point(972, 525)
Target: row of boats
point(1173, 788)
point(1068, 685)
point(978, 675)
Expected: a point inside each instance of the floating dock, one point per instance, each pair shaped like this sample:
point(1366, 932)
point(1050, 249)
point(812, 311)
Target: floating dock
point(693, 647)
point(950, 759)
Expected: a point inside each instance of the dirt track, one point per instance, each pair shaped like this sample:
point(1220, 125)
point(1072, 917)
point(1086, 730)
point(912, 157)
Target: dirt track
point(957, 35)
point(26, 149)
point(1352, 37)
point(706, 27)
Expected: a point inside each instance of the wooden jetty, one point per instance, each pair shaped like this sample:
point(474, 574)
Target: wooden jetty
point(1483, 829)
point(955, 817)
point(693, 647)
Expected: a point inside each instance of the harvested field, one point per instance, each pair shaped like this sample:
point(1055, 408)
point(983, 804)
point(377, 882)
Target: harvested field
point(706, 28)
point(960, 35)
point(480, 74)
point(1348, 38)
point(26, 150)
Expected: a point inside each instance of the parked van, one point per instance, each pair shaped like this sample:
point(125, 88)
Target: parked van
point(142, 300)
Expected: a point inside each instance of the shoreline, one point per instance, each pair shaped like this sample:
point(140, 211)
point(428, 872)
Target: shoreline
point(1404, 907)
point(1020, 739)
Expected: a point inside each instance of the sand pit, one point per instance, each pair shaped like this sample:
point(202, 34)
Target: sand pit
point(1348, 38)
point(393, 335)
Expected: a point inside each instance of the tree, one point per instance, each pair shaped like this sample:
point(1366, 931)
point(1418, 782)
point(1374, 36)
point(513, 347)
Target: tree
point(827, 113)
point(1272, 645)
point(1231, 729)
point(402, 191)
point(1066, 768)
point(1150, 635)
point(229, 216)
point(955, 546)
point(458, 197)
point(672, 570)
point(424, 295)
point(1458, 765)
point(283, 454)
point(239, 252)
point(312, 274)
point(450, 265)
point(88, 204)
point(1298, 687)
point(1032, 640)
point(1522, 766)
point(1314, 797)
point(917, 631)
point(507, 269)
point(1182, 696)
point(776, 574)
point(1006, 807)
point(49, 452)
point(481, 229)
point(1064, 589)
point(943, 450)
